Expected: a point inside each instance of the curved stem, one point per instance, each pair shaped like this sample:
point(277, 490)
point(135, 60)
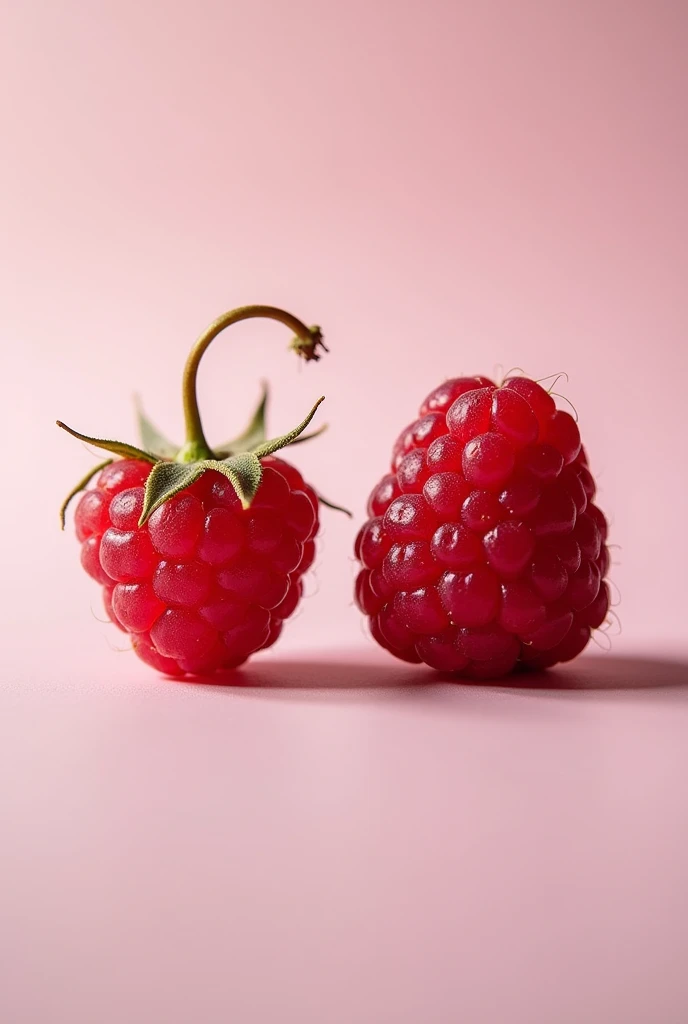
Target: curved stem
point(305, 344)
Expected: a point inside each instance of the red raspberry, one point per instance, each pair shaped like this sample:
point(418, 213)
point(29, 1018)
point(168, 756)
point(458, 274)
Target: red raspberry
point(201, 555)
point(203, 583)
point(484, 551)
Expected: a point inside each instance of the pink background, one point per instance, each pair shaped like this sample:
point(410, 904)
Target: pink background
point(445, 187)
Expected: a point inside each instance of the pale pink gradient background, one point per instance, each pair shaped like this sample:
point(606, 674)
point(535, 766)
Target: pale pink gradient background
point(445, 187)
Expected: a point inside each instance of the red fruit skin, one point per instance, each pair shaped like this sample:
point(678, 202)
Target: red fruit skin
point(204, 584)
point(484, 552)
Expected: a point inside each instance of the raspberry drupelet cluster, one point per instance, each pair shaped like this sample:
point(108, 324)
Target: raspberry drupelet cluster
point(484, 550)
point(204, 583)
point(200, 552)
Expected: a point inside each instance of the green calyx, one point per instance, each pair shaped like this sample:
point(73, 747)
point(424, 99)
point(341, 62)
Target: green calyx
point(238, 460)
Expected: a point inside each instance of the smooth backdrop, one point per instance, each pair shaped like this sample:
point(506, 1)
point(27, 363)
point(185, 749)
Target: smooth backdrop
point(446, 187)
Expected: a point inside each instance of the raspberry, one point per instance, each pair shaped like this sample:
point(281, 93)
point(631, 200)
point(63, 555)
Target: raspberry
point(484, 551)
point(201, 554)
point(198, 613)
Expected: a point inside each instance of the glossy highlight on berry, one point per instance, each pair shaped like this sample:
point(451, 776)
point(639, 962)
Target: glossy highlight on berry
point(485, 552)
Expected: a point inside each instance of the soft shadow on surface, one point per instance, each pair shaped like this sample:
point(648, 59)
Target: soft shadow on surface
point(321, 673)
point(606, 672)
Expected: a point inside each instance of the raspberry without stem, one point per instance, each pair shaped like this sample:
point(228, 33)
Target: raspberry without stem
point(484, 551)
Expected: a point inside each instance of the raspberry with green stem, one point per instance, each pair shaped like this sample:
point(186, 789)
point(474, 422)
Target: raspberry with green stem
point(201, 551)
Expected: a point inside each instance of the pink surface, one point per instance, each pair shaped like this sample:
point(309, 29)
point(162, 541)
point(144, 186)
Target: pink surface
point(373, 851)
point(446, 187)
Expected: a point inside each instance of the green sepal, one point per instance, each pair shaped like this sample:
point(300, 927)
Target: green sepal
point(255, 434)
point(269, 447)
point(310, 436)
point(81, 486)
point(243, 471)
point(166, 479)
point(335, 508)
point(255, 431)
point(127, 451)
point(151, 438)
